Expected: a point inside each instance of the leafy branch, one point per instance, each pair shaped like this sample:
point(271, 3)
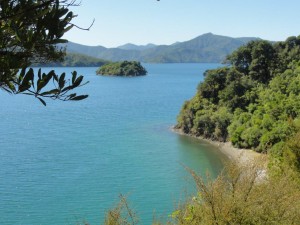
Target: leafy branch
point(25, 84)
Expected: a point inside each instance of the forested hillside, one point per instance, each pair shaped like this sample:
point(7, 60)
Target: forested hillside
point(204, 48)
point(254, 101)
point(76, 60)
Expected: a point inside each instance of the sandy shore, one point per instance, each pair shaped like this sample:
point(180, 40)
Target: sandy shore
point(240, 155)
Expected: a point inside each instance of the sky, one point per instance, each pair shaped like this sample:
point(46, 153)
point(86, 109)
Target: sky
point(118, 22)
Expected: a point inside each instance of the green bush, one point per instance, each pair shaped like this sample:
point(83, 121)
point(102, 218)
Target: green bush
point(243, 194)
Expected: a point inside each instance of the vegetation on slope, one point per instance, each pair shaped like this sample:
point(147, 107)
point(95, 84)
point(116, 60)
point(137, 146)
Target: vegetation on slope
point(76, 60)
point(204, 48)
point(241, 196)
point(254, 102)
point(125, 68)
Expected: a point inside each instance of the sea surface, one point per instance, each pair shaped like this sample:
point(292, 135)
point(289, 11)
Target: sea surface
point(69, 162)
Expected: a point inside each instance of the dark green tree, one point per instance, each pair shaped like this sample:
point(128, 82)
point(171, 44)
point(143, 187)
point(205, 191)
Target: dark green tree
point(288, 51)
point(257, 58)
point(30, 32)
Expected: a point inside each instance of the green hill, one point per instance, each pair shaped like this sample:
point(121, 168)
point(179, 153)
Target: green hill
point(205, 48)
point(254, 102)
point(76, 60)
point(130, 46)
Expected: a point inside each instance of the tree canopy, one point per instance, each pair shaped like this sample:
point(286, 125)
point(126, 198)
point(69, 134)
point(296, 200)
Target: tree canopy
point(30, 31)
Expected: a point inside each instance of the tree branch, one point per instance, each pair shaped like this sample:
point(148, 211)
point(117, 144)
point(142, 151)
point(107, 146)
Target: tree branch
point(83, 28)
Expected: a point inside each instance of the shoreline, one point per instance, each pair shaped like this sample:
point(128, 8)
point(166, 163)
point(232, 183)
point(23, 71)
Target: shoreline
point(232, 153)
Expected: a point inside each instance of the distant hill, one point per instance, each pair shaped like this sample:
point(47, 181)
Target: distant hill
point(204, 48)
point(130, 46)
point(76, 60)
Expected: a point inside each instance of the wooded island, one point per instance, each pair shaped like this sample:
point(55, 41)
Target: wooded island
point(125, 68)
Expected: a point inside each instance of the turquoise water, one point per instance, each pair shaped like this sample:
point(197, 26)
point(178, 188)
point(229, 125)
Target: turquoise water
point(69, 161)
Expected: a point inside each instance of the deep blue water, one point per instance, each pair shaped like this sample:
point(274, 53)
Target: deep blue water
point(69, 161)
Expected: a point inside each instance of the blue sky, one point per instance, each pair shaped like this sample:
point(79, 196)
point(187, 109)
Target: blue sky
point(166, 21)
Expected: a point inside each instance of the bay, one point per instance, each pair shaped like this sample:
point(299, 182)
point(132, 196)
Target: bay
point(68, 162)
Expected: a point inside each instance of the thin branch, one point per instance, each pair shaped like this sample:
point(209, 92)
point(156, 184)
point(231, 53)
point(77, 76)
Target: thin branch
point(72, 24)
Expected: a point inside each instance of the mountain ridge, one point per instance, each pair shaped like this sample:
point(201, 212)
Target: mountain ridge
point(204, 48)
point(130, 46)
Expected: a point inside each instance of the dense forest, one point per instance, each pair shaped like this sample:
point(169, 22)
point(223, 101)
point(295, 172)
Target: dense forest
point(253, 101)
point(125, 68)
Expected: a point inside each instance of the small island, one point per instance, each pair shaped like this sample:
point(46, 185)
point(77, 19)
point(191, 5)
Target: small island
point(124, 68)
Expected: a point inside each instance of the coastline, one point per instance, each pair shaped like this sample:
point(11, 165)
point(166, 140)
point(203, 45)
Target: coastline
point(232, 153)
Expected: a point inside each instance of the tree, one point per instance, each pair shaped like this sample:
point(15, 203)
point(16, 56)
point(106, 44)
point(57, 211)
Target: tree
point(257, 59)
point(30, 32)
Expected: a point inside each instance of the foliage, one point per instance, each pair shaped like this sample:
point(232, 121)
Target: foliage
point(247, 193)
point(272, 119)
point(257, 59)
point(122, 214)
point(243, 194)
point(125, 68)
point(287, 154)
point(59, 91)
point(30, 32)
point(254, 102)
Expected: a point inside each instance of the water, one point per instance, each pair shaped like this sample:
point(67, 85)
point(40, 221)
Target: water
point(69, 161)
